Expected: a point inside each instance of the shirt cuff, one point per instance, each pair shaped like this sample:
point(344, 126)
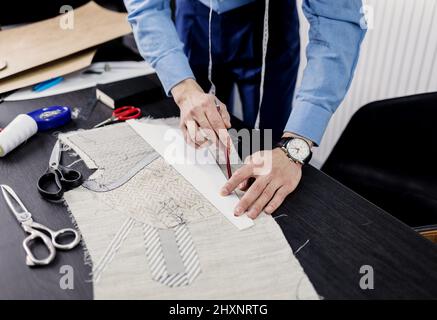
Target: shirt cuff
point(308, 120)
point(172, 69)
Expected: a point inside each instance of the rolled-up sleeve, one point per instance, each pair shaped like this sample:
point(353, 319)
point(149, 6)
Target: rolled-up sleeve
point(157, 40)
point(335, 36)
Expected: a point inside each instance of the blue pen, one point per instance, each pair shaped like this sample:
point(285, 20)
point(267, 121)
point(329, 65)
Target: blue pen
point(47, 84)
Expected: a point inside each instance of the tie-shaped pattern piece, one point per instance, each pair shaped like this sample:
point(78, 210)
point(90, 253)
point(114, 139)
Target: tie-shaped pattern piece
point(172, 257)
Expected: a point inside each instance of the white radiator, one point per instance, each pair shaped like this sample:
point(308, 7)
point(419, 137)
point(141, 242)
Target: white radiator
point(398, 58)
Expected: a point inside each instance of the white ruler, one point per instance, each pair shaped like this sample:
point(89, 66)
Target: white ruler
point(197, 166)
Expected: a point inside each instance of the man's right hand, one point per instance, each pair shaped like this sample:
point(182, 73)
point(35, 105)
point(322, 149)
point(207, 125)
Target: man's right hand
point(203, 116)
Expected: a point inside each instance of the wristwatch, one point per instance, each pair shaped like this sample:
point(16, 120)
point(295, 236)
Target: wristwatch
point(297, 149)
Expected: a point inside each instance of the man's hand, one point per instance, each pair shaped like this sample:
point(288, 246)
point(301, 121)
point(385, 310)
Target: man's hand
point(275, 177)
point(201, 119)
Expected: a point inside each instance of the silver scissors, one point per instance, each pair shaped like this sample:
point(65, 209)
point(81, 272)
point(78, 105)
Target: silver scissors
point(35, 229)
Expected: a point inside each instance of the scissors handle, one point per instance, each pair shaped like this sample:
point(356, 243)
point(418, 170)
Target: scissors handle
point(121, 114)
point(70, 178)
point(31, 260)
point(49, 185)
point(126, 113)
point(51, 243)
point(53, 183)
point(56, 235)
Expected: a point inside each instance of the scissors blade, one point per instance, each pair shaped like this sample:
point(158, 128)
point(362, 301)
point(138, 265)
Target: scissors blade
point(55, 156)
point(15, 204)
point(107, 121)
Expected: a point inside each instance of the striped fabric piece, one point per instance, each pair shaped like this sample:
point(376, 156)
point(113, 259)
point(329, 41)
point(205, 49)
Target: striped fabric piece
point(158, 263)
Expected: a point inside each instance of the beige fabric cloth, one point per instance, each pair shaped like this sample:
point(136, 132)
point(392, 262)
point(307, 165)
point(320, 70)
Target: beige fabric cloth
point(99, 150)
point(256, 263)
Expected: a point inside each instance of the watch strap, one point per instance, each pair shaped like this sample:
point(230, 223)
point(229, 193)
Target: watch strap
point(283, 142)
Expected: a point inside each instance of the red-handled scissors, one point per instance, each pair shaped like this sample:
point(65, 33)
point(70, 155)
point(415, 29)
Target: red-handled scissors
point(122, 114)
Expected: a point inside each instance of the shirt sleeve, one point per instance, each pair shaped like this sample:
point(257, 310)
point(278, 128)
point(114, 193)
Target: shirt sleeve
point(158, 41)
point(335, 35)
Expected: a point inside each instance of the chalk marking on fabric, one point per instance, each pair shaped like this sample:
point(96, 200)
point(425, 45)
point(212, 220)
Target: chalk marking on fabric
point(112, 249)
point(92, 182)
point(302, 246)
point(93, 185)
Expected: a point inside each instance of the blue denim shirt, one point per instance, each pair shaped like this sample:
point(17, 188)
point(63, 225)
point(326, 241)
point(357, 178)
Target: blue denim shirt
point(334, 42)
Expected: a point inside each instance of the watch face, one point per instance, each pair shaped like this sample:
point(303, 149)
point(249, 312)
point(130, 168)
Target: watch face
point(298, 149)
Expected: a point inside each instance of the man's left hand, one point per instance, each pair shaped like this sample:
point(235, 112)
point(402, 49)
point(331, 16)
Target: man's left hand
point(275, 177)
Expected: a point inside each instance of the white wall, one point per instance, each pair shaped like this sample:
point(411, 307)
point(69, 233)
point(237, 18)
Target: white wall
point(398, 58)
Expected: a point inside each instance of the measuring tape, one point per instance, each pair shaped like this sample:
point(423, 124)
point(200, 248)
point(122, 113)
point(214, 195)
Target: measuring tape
point(25, 126)
point(265, 41)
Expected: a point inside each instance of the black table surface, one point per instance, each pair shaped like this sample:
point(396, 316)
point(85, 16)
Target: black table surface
point(345, 231)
